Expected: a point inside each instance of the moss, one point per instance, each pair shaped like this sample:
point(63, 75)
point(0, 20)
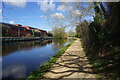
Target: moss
point(47, 65)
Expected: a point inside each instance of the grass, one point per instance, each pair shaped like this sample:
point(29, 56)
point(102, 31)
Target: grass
point(47, 65)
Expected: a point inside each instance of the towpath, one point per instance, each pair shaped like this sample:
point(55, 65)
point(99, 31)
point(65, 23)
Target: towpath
point(72, 64)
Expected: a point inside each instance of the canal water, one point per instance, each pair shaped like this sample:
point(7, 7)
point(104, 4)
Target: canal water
point(21, 58)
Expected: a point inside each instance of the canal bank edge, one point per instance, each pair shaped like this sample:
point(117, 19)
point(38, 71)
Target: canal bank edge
point(47, 65)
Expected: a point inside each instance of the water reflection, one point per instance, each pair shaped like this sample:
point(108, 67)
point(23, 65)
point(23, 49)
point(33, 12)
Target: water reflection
point(58, 43)
point(11, 47)
point(15, 71)
point(21, 58)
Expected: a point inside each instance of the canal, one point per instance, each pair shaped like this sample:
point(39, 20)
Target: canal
point(19, 59)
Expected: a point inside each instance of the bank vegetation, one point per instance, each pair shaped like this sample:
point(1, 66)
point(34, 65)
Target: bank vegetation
point(47, 65)
point(101, 39)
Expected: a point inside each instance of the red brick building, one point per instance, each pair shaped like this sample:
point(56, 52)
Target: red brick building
point(17, 30)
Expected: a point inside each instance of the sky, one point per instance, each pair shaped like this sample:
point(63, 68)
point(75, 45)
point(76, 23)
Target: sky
point(38, 14)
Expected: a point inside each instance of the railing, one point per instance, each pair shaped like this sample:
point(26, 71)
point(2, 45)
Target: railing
point(5, 39)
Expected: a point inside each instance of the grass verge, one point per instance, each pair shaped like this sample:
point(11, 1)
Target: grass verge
point(47, 65)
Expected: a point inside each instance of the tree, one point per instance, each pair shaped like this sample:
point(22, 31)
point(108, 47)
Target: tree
point(71, 33)
point(49, 34)
point(59, 32)
point(78, 33)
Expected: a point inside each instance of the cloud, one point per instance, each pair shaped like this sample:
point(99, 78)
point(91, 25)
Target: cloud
point(58, 15)
point(61, 8)
point(25, 17)
point(0, 11)
point(0, 14)
point(0, 59)
point(42, 16)
point(64, 8)
point(76, 13)
point(17, 71)
point(1, 18)
point(11, 22)
point(67, 0)
point(18, 3)
point(46, 5)
point(88, 18)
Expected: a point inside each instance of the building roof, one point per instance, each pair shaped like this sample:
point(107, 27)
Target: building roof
point(24, 27)
point(17, 24)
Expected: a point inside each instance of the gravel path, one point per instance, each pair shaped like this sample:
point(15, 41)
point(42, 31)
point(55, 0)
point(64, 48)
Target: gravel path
point(72, 64)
